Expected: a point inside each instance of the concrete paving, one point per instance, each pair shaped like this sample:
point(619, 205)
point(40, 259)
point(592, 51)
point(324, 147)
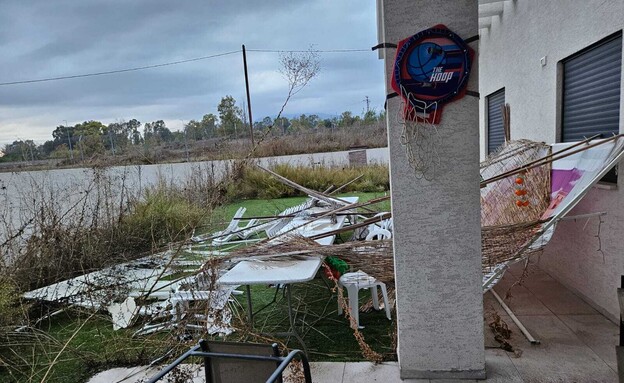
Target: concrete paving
point(577, 342)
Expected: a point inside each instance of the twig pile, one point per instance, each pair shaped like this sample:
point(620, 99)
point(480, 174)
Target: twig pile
point(506, 227)
point(374, 257)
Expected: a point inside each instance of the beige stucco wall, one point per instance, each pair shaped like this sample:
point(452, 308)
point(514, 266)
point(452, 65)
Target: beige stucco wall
point(437, 247)
point(510, 54)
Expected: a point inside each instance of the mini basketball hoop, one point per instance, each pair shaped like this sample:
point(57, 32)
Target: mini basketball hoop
point(419, 137)
point(431, 68)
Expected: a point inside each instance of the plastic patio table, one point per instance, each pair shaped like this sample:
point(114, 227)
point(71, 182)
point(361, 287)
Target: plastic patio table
point(277, 272)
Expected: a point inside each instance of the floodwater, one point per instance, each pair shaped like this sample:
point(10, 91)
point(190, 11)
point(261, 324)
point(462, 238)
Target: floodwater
point(22, 193)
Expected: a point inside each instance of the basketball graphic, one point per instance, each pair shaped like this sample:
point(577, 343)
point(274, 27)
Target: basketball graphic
point(431, 68)
point(423, 59)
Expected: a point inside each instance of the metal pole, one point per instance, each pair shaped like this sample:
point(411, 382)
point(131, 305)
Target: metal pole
point(80, 147)
point(110, 137)
point(526, 332)
point(291, 318)
point(71, 152)
point(249, 306)
point(581, 216)
point(248, 97)
point(186, 147)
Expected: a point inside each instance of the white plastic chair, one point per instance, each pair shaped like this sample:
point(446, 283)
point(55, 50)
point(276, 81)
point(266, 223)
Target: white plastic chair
point(385, 224)
point(238, 233)
point(378, 234)
point(232, 226)
point(353, 282)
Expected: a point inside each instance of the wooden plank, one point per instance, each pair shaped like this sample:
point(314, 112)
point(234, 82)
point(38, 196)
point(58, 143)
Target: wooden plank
point(313, 193)
point(366, 222)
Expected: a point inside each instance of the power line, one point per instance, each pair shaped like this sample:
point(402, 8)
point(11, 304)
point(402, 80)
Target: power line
point(309, 50)
point(118, 70)
point(176, 63)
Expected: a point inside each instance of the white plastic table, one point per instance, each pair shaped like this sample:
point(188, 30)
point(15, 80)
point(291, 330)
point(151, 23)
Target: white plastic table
point(282, 271)
point(278, 272)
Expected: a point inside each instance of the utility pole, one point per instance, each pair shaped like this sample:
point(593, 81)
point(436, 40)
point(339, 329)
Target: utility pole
point(110, 137)
point(80, 146)
point(71, 152)
point(244, 113)
point(251, 135)
point(186, 144)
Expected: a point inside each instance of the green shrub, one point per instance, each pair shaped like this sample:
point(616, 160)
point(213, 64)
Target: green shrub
point(10, 312)
point(162, 217)
point(60, 250)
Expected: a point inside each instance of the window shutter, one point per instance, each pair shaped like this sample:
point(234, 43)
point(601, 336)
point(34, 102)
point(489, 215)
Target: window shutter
point(591, 91)
point(496, 133)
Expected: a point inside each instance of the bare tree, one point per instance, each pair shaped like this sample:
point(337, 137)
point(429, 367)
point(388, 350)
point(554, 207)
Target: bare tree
point(298, 68)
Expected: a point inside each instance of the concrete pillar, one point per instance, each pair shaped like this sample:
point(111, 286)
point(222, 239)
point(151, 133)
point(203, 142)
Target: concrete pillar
point(437, 231)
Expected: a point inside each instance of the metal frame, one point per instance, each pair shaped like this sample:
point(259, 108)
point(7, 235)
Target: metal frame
point(291, 318)
point(514, 318)
point(201, 351)
point(556, 218)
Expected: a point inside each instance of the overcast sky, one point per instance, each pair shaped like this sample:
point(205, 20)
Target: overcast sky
point(43, 39)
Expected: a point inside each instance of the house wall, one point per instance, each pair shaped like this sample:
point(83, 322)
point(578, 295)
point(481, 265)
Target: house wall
point(510, 54)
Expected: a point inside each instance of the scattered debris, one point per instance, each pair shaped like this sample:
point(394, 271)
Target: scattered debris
point(163, 287)
point(501, 331)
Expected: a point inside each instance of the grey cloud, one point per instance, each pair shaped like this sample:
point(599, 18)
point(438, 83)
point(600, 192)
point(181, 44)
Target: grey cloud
point(65, 37)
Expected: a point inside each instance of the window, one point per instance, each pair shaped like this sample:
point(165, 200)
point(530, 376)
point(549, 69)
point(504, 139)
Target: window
point(591, 93)
point(495, 130)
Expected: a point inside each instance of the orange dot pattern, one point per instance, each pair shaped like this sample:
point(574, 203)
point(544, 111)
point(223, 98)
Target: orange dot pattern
point(520, 191)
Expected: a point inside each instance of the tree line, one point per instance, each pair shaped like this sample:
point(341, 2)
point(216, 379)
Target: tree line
point(84, 140)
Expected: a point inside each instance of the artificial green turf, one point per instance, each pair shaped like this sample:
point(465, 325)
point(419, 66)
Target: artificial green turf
point(94, 347)
point(327, 335)
point(97, 347)
point(222, 215)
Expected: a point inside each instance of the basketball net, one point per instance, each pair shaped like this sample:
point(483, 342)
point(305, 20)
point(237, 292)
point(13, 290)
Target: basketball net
point(419, 135)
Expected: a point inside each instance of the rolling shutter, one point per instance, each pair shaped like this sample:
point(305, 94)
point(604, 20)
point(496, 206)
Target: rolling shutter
point(496, 133)
point(591, 91)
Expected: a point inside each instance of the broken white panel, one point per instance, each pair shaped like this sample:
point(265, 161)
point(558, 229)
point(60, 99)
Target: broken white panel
point(123, 314)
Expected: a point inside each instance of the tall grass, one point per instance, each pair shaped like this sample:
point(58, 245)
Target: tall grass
point(69, 231)
point(64, 233)
point(164, 216)
point(61, 236)
point(256, 183)
point(373, 136)
point(9, 302)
